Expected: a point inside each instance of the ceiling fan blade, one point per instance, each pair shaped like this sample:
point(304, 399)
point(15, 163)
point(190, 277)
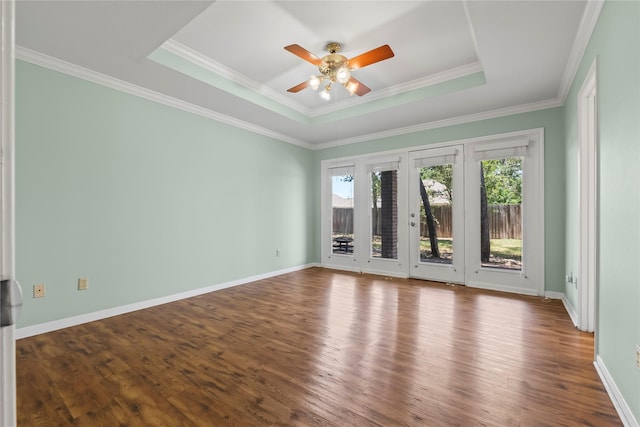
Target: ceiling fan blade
point(298, 88)
point(376, 55)
point(361, 89)
point(304, 54)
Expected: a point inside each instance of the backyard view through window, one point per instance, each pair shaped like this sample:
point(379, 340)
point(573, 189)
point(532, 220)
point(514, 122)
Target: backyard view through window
point(342, 212)
point(501, 213)
point(436, 234)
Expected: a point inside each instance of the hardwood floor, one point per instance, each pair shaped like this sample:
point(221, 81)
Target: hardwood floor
point(319, 347)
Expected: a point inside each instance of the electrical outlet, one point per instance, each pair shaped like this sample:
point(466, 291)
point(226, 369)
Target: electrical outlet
point(38, 290)
point(83, 284)
point(638, 356)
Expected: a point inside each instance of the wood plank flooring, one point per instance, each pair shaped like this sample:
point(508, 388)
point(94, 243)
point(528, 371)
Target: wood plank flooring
point(319, 348)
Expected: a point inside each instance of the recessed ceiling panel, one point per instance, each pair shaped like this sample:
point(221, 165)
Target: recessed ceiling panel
point(248, 37)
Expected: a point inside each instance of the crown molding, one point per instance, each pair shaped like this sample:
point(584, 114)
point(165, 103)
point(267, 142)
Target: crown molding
point(585, 30)
point(180, 50)
point(73, 70)
point(195, 57)
point(442, 77)
point(501, 112)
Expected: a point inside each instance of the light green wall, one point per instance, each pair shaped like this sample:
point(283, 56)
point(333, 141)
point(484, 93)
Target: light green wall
point(148, 201)
point(145, 200)
point(550, 120)
point(616, 44)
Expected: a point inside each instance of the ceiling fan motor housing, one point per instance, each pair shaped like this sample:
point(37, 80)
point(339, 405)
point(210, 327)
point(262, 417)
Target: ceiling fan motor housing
point(333, 62)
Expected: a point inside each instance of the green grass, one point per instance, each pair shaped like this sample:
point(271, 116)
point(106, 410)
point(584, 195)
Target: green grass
point(507, 248)
point(445, 245)
point(501, 248)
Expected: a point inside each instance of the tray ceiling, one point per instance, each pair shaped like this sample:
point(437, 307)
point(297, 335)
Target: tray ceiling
point(454, 60)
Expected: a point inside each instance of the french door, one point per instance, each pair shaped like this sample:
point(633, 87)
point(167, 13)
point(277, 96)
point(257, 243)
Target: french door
point(363, 202)
point(436, 214)
point(470, 212)
point(504, 214)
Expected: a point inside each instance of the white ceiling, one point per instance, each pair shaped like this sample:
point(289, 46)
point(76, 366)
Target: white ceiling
point(454, 60)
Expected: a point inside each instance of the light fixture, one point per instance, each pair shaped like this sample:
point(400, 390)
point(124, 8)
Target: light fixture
point(325, 94)
point(334, 68)
point(343, 75)
point(352, 87)
point(314, 82)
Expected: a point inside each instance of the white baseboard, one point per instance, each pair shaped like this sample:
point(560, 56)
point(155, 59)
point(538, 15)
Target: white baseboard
point(42, 328)
point(571, 310)
point(385, 273)
point(501, 288)
point(628, 420)
point(341, 267)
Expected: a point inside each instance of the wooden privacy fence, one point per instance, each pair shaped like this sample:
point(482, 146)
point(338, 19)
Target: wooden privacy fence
point(343, 220)
point(505, 221)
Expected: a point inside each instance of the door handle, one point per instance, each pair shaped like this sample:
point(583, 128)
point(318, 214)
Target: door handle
point(10, 302)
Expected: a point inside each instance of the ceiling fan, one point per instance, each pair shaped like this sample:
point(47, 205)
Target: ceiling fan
point(336, 68)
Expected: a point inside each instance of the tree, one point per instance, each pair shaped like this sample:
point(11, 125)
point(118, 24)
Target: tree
point(500, 183)
point(503, 180)
point(433, 238)
point(375, 195)
point(485, 241)
point(444, 175)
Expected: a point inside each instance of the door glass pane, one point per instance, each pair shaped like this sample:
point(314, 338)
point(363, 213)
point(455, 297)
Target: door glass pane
point(384, 214)
point(501, 213)
point(436, 234)
point(342, 210)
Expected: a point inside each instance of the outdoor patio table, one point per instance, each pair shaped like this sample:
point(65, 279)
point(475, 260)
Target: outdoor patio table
point(343, 244)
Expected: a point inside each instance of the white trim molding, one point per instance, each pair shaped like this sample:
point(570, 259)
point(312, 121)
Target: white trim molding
point(417, 84)
point(195, 57)
point(180, 50)
point(8, 412)
point(588, 259)
point(73, 70)
point(42, 328)
point(621, 406)
point(571, 311)
point(77, 71)
point(476, 117)
point(587, 24)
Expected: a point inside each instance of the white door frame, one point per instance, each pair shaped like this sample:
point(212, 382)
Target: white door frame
point(530, 281)
point(360, 260)
point(7, 203)
point(376, 265)
point(588, 179)
point(454, 272)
